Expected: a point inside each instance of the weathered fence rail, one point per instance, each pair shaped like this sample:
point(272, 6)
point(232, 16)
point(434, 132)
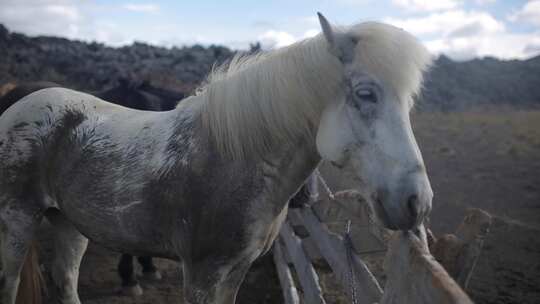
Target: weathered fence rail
point(334, 250)
point(304, 268)
point(413, 274)
point(290, 293)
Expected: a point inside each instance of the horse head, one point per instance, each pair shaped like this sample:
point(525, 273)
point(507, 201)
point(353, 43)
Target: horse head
point(367, 129)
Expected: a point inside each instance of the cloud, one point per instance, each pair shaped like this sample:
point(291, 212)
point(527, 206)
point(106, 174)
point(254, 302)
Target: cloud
point(532, 48)
point(68, 12)
point(141, 7)
point(272, 39)
point(63, 18)
point(426, 5)
point(484, 2)
point(475, 28)
point(453, 21)
point(467, 34)
point(42, 17)
point(529, 13)
point(311, 33)
point(460, 33)
point(108, 32)
point(505, 45)
point(275, 39)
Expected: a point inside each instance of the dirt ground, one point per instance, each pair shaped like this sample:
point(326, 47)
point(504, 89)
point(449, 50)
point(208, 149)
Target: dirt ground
point(487, 160)
point(99, 282)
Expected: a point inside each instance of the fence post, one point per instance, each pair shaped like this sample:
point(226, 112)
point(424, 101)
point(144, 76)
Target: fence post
point(306, 273)
point(290, 294)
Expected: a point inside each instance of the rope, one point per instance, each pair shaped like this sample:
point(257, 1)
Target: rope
point(331, 195)
point(347, 241)
point(325, 186)
point(352, 277)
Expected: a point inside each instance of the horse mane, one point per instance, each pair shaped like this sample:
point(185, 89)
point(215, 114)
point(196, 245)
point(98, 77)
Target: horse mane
point(253, 103)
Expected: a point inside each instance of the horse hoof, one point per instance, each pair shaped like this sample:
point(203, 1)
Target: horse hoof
point(133, 291)
point(152, 276)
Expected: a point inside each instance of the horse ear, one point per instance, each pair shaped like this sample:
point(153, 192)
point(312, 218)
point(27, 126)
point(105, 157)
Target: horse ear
point(329, 35)
point(327, 30)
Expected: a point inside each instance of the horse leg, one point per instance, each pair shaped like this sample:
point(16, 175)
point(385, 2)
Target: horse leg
point(130, 284)
point(17, 230)
point(207, 284)
point(149, 270)
point(69, 246)
point(229, 285)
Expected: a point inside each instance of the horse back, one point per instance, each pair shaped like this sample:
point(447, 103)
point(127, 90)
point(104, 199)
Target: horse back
point(37, 130)
point(85, 157)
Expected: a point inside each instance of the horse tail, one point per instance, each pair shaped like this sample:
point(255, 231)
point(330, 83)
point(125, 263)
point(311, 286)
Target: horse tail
point(32, 281)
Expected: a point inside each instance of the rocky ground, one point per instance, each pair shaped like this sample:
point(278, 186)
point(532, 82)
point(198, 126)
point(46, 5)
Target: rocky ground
point(449, 86)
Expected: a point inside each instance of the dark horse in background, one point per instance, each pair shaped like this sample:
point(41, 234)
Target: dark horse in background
point(131, 94)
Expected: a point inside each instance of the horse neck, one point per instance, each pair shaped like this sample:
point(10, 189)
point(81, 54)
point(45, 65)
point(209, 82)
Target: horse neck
point(290, 166)
point(307, 78)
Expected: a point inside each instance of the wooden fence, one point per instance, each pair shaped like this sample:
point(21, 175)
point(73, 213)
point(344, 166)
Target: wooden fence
point(413, 274)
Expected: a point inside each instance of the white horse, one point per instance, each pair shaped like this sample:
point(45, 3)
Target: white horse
point(207, 183)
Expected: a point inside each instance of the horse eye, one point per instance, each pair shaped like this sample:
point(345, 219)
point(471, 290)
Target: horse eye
point(366, 95)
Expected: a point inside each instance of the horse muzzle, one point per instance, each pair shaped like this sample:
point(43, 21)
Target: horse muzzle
point(407, 207)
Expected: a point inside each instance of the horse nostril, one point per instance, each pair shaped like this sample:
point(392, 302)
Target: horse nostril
point(412, 204)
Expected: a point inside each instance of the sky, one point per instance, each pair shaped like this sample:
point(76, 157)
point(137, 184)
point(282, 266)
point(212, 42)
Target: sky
point(461, 29)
